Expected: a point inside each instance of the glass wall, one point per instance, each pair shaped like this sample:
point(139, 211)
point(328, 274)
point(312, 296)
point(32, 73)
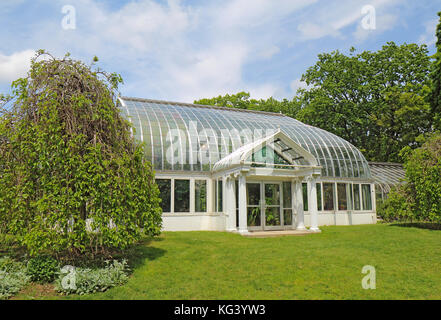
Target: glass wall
point(366, 195)
point(342, 197)
point(357, 203)
point(328, 196)
point(218, 195)
point(319, 196)
point(200, 195)
point(305, 196)
point(287, 204)
point(182, 195)
point(253, 205)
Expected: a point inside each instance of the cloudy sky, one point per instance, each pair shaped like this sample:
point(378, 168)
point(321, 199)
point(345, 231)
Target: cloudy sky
point(190, 49)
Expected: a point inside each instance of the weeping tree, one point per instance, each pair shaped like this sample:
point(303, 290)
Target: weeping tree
point(73, 179)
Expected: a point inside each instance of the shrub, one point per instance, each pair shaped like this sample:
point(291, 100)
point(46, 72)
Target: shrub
point(13, 277)
point(84, 280)
point(419, 199)
point(68, 159)
point(42, 269)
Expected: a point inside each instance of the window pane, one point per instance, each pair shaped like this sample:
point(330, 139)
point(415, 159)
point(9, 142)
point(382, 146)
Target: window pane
point(287, 217)
point(328, 195)
point(272, 194)
point(253, 216)
point(200, 194)
point(287, 195)
point(319, 196)
point(219, 196)
point(367, 201)
point(253, 194)
point(356, 197)
point(351, 201)
point(164, 186)
point(305, 196)
point(182, 195)
point(342, 198)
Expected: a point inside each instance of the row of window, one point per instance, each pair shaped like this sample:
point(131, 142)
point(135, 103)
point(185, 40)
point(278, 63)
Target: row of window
point(182, 192)
point(343, 196)
point(349, 196)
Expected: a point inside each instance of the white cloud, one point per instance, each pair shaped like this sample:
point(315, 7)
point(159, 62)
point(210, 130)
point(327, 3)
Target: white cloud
point(298, 84)
point(15, 65)
point(330, 19)
point(383, 23)
point(429, 37)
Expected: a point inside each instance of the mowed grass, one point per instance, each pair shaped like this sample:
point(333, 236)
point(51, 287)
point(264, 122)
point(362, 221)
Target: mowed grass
point(217, 265)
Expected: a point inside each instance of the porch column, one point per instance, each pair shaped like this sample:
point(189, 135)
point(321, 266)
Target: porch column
point(312, 203)
point(298, 203)
point(242, 204)
point(211, 206)
point(230, 202)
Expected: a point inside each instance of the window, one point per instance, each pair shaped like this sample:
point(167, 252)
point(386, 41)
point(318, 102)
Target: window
point(328, 196)
point(200, 195)
point(341, 195)
point(164, 186)
point(351, 198)
point(219, 196)
point(182, 195)
point(366, 193)
point(357, 197)
point(305, 196)
point(287, 204)
point(319, 196)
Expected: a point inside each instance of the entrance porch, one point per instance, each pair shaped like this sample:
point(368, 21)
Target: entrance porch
point(262, 195)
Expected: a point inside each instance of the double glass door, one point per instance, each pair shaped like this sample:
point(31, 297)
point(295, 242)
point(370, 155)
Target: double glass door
point(264, 206)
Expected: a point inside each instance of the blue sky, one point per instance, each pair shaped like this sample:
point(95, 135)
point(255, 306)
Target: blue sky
point(186, 50)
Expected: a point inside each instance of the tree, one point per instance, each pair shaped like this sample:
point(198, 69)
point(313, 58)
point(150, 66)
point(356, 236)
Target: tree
point(375, 100)
point(241, 100)
point(435, 75)
point(72, 177)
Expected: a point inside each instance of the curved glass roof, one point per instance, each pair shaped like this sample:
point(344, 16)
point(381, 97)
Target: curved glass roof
point(387, 174)
point(189, 137)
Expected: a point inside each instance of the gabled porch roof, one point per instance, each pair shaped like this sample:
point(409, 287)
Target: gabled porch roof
point(296, 156)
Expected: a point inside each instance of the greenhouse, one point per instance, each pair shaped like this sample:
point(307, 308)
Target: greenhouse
point(221, 168)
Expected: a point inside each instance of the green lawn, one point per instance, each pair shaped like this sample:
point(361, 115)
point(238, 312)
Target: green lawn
point(215, 265)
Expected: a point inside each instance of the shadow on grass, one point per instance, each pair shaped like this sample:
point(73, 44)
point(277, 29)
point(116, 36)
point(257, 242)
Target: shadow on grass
point(420, 225)
point(137, 254)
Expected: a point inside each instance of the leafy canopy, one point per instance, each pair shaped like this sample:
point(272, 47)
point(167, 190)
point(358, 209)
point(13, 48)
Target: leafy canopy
point(378, 101)
point(375, 100)
point(73, 178)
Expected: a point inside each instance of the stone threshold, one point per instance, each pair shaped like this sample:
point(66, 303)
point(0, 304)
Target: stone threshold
point(277, 233)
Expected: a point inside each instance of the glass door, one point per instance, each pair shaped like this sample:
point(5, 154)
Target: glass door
point(271, 206)
point(254, 210)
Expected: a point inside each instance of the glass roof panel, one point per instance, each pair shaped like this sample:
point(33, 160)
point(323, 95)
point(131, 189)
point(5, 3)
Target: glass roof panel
point(205, 134)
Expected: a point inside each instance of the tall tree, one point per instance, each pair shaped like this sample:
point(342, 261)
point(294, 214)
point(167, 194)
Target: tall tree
point(435, 75)
point(375, 100)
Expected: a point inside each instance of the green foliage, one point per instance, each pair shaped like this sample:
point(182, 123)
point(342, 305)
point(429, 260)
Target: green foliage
point(13, 277)
point(420, 198)
point(241, 100)
point(435, 75)
point(94, 280)
point(375, 100)
point(42, 269)
point(68, 159)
